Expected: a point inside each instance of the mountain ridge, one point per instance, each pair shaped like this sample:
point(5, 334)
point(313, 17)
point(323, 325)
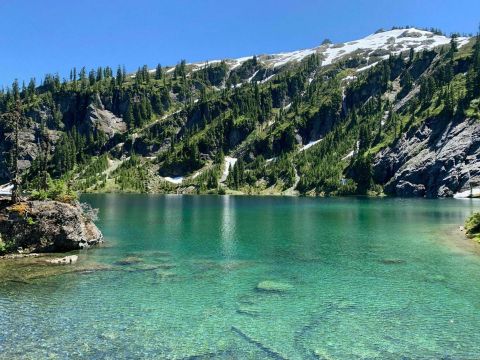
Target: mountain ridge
point(311, 121)
point(412, 37)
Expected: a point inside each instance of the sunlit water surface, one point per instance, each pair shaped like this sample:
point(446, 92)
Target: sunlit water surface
point(359, 279)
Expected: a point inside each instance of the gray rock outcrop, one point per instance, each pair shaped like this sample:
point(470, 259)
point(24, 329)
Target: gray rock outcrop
point(98, 117)
point(47, 226)
point(438, 159)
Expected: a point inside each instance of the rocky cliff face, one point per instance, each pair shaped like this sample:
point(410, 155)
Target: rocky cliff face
point(47, 226)
point(99, 118)
point(28, 149)
point(438, 159)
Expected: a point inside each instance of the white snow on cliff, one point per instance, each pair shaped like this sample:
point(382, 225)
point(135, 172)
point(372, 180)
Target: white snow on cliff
point(309, 145)
point(175, 180)
point(377, 46)
point(229, 163)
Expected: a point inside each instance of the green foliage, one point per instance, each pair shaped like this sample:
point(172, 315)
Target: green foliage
point(208, 179)
point(93, 173)
point(131, 175)
point(56, 190)
point(472, 226)
point(189, 118)
point(6, 246)
point(361, 172)
point(3, 246)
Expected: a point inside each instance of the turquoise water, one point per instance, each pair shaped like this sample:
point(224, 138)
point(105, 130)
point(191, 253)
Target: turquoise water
point(362, 279)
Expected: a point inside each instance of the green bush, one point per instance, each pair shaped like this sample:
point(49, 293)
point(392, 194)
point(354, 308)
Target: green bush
point(56, 190)
point(3, 246)
point(472, 226)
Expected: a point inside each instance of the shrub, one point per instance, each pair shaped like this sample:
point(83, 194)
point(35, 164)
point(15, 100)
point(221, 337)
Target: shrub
point(6, 246)
point(19, 208)
point(56, 190)
point(472, 226)
point(3, 246)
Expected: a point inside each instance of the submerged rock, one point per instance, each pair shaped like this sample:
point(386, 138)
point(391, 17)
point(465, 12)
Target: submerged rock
point(392, 261)
point(72, 259)
point(27, 269)
point(248, 310)
point(273, 286)
point(47, 226)
point(129, 260)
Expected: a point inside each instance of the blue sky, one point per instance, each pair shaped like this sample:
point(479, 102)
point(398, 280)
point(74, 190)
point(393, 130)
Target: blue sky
point(38, 37)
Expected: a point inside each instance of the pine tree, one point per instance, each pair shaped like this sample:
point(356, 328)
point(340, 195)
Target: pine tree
point(453, 46)
point(411, 55)
point(15, 120)
point(158, 72)
point(91, 77)
point(449, 100)
point(145, 74)
point(128, 116)
point(119, 77)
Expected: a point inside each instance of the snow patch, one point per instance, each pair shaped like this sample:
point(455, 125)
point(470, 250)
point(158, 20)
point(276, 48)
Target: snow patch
point(6, 189)
point(366, 67)
point(175, 180)
point(393, 42)
point(284, 58)
point(196, 175)
point(229, 162)
point(349, 155)
point(475, 192)
point(309, 145)
point(267, 79)
point(251, 77)
point(350, 78)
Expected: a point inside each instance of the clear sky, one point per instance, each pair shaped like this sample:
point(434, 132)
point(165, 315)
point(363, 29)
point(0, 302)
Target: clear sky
point(48, 36)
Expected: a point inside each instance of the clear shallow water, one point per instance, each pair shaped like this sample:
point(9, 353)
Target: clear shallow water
point(370, 279)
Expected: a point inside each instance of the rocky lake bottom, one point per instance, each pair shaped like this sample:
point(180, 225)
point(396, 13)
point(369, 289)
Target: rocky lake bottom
point(222, 277)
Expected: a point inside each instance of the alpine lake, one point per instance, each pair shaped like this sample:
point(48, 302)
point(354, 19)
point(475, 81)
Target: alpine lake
point(226, 277)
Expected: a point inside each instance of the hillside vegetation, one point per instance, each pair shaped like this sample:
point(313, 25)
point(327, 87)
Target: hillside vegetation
point(318, 122)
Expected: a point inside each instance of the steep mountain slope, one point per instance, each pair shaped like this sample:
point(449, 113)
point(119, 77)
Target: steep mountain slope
point(396, 111)
point(378, 46)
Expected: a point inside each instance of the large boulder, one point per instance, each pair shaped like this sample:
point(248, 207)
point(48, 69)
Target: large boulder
point(47, 226)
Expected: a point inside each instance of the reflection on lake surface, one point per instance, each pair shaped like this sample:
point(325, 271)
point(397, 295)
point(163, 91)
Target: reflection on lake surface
point(254, 277)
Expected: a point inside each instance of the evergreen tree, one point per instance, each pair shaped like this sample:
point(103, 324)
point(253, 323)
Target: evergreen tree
point(15, 120)
point(119, 77)
point(411, 55)
point(158, 72)
point(128, 116)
